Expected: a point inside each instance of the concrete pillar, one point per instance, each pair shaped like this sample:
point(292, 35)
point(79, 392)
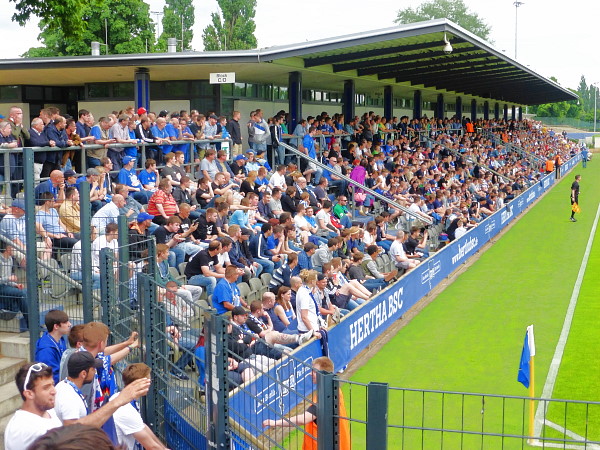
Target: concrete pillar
point(505, 111)
point(497, 111)
point(459, 108)
point(418, 105)
point(141, 81)
point(440, 107)
point(521, 112)
point(295, 98)
point(388, 102)
point(349, 99)
point(473, 110)
point(513, 112)
point(486, 110)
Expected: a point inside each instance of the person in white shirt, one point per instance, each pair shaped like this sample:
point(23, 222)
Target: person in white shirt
point(128, 421)
point(278, 179)
point(107, 240)
point(108, 213)
point(70, 404)
point(398, 254)
point(307, 308)
point(36, 416)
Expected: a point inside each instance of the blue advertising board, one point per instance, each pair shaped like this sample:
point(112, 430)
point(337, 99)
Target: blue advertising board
point(288, 383)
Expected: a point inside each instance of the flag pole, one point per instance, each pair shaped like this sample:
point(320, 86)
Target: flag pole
point(531, 401)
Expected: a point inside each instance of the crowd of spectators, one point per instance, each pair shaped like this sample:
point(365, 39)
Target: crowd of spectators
point(221, 217)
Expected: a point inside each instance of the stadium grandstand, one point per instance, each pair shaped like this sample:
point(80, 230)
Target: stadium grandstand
point(230, 235)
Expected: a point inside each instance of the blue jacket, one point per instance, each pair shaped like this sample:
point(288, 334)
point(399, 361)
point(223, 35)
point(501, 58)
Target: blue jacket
point(48, 351)
point(259, 247)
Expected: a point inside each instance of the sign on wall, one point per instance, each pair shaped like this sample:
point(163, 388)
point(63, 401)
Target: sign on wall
point(222, 78)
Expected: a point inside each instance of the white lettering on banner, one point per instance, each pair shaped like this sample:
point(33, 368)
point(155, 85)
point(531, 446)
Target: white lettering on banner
point(431, 271)
point(530, 197)
point(370, 321)
point(289, 375)
point(506, 215)
point(546, 183)
point(490, 226)
point(469, 245)
point(520, 203)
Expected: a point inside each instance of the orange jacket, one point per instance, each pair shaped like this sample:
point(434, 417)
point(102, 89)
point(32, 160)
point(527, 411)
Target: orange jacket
point(344, 428)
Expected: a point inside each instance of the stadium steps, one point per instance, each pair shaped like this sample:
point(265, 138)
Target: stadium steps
point(14, 352)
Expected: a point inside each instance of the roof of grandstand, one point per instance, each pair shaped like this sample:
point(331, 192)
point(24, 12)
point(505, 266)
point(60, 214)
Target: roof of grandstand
point(406, 57)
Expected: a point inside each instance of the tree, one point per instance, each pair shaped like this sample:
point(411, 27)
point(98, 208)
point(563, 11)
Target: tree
point(63, 15)
point(178, 17)
point(130, 30)
point(455, 10)
point(233, 28)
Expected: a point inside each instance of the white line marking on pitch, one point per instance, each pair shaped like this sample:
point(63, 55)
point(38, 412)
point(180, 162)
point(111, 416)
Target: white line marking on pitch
point(564, 334)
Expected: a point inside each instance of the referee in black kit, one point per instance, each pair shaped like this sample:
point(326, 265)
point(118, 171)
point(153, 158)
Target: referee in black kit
point(574, 196)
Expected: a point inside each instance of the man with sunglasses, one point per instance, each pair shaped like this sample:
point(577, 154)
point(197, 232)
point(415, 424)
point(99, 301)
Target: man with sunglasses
point(37, 415)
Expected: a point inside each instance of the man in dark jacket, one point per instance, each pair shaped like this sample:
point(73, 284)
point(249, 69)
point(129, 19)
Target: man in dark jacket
point(233, 127)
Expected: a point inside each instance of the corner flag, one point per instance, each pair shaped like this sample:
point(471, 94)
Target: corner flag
point(526, 357)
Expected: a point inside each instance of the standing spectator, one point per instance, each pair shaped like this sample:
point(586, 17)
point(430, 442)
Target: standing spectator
point(50, 347)
point(131, 429)
point(120, 133)
point(101, 134)
point(39, 138)
point(233, 127)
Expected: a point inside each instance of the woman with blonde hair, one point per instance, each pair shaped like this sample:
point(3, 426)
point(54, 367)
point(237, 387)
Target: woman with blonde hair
point(308, 309)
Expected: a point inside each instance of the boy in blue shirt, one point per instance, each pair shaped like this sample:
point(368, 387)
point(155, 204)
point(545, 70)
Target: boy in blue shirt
point(50, 347)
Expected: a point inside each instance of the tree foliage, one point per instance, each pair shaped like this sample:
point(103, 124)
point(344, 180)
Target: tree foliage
point(174, 12)
point(233, 28)
point(455, 10)
point(63, 15)
point(130, 30)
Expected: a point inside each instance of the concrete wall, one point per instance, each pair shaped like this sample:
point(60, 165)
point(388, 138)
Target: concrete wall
point(103, 108)
point(4, 107)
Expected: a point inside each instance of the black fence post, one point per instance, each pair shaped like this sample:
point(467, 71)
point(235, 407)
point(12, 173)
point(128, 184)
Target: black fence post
point(216, 380)
point(106, 284)
point(147, 292)
point(377, 415)
point(31, 249)
point(123, 290)
point(86, 251)
point(328, 423)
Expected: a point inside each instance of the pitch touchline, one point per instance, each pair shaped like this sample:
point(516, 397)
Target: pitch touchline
point(564, 334)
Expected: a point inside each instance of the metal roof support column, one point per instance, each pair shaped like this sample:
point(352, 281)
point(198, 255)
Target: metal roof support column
point(520, 113)
point(486, 110)
point(459, 108)
point(388, 102)
point(513, 112)
point(349, 100)
point(473, 110)
point(141, 81)
point(497, 111)
point(295, 97)
point(440, 107)
point(505, 111)
point(418, 105)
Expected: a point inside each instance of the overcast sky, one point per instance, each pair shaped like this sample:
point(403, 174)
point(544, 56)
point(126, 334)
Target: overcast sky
point(555, 38)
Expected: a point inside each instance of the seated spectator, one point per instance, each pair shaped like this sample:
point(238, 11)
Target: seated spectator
point(149, 176)
point(69, 212)
point(128, 177)
point(207, 225)
point(203, 268)
point(75, 342)
point(283, 308)
point(238, 256)
point(221, 187)
point(324, 225)
point(287, 200)
point(49, 226)
point(416, 245)
point(275, 204)
point(282, 276)
point(97, 191)
point(55, 185)
point(204, 193)
point(260, 325)
point(13, 295)
point(324, 254)
point(398, 254)
point(370, 266)
point(208, 166)
point(260, 249)
point(106, 240)
point(50, 347)
point(226, 295)
point(132, 208)
point(108, 213)
point(76, 266)
point(356, 272)
point(162, 205)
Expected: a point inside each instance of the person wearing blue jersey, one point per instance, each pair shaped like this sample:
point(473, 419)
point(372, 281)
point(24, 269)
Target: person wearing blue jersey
point(260, 249)
point(50, 347)
point(160, 132)
point(128, 177)
point(308, 143)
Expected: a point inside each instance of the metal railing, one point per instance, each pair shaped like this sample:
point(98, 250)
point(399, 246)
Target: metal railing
point(354, 183)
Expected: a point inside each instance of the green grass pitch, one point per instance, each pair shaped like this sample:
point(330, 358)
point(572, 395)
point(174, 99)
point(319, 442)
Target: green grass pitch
point(469, 338)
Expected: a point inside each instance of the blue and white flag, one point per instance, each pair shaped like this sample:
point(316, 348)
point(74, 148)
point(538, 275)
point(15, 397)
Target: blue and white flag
point(526, 355)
